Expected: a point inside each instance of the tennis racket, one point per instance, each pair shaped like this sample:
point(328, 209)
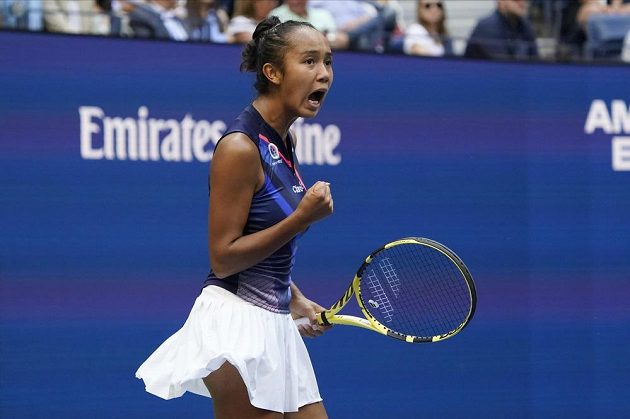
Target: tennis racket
point(412, 289)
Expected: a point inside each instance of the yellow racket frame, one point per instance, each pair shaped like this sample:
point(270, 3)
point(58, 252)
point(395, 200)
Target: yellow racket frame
point(330, 316)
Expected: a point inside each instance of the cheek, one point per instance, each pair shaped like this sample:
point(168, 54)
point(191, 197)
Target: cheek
point(293, 87)
point(293, 82)
point(297, 79)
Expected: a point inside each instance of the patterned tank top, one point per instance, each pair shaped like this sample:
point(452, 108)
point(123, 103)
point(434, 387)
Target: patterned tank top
point(266, 284)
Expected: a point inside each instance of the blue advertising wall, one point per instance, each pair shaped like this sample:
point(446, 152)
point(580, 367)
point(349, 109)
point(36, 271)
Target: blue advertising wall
point(522, 169)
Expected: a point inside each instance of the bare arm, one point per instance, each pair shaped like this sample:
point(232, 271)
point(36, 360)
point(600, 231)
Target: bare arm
point(301, 306)
point(236, 174)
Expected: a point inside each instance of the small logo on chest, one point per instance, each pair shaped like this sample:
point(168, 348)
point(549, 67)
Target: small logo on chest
point(298, 188)
point(273, 150)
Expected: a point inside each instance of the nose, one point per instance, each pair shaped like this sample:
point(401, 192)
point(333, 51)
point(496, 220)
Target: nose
point(324, 73)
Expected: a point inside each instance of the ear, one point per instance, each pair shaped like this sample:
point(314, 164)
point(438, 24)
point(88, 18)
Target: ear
point(272, 73)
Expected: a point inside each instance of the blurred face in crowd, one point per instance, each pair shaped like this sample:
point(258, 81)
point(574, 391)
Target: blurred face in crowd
point(297, 6)
point(430, 12)
point(517, 8)
point(263, 7)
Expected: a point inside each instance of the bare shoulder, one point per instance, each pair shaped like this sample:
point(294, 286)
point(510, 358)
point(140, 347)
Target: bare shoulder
point(236, 160)
point(236, 145)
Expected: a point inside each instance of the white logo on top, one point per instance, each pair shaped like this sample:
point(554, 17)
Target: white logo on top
point(273, 150)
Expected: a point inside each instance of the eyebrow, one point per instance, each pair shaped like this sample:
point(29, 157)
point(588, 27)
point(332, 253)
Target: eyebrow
point(315, 51)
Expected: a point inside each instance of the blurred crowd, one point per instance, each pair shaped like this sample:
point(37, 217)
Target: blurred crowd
point(511, 29)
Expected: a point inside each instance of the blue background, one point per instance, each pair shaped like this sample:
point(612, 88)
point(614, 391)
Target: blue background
point(101, 260)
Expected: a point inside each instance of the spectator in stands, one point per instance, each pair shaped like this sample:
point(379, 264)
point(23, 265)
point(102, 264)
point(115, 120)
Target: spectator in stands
point(588, 21)
point(321, 19)
point(359, 19)
point(158, 19)
point(572, 34)
point(18, 14)
point(247, 14)
point(592, 7)
point(207, 21)
point(428, 36)
point(111, 16)
point(397, 9)
point(506, 33)
point(119, 16)
point(74, 16)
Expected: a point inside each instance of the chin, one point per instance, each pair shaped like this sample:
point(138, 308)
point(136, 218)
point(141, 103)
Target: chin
point(309, 113)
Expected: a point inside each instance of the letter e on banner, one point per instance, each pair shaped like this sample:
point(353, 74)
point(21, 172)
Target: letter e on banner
point(621, 153)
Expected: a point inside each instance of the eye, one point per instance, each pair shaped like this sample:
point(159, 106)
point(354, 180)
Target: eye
point(309, 61)
point(328, 61)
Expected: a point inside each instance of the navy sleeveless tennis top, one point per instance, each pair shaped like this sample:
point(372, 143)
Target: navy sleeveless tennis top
point(266, 284)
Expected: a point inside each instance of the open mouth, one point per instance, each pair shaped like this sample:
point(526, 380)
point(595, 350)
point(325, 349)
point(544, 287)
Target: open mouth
point(317, 97)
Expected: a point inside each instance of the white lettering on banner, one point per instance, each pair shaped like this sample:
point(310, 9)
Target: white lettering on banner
point(87, 113)
point(615, 120)
point(316, 144)
point(146, 139)
point(621, 153)
point(186, 140)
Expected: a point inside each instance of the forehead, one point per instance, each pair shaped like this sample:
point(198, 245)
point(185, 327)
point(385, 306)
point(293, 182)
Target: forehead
point(305, 39)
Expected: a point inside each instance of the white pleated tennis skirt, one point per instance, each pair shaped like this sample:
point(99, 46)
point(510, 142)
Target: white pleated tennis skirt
point(265, 347)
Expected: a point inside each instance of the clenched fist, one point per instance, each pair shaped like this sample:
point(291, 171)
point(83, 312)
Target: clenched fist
point(316, 204)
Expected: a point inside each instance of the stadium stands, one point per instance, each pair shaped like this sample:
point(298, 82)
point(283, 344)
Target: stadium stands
point(564, 29)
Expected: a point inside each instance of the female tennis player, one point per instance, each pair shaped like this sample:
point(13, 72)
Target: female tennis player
point(240, 345)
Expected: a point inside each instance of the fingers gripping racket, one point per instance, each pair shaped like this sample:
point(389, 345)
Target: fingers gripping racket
point(412, 289)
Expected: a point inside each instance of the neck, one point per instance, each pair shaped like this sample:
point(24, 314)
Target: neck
point(274, 114)
point(432, 28)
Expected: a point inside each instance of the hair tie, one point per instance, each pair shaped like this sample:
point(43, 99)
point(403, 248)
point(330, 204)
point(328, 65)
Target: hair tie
point(264, 35)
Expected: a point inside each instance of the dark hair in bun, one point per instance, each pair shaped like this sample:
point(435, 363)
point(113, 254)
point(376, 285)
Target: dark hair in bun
point(268, 45)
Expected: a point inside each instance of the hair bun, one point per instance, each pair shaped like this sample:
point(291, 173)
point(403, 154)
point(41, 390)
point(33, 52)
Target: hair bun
point(264, 26)
point(249, 55)
point(270, 42)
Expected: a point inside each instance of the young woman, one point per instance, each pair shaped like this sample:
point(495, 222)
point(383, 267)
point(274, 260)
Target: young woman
point(247, 15)
point(240, 344)
point(428, 36)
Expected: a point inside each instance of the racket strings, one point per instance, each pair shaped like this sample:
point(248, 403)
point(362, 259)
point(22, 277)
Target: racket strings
point(443, 298)
point(417, 290)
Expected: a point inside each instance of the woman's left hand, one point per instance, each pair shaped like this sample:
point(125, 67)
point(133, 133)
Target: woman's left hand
point(303, 307)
